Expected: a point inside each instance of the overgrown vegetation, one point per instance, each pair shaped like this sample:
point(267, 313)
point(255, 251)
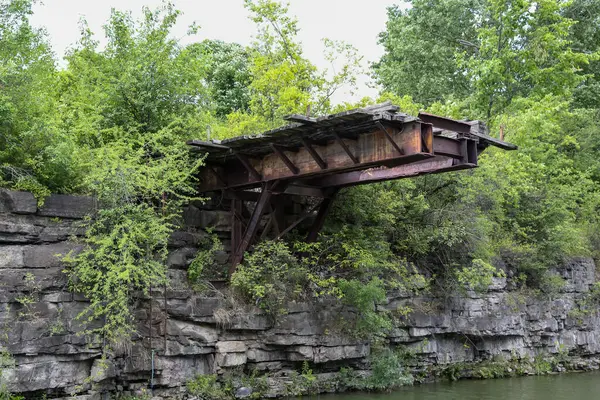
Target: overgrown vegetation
point(113, 122)
point(388, 372)
point(6, 362)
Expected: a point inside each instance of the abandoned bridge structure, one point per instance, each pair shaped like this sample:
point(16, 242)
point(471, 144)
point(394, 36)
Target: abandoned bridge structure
point(313, 158)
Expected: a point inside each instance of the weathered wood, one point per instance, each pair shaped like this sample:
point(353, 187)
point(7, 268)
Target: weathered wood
point(204, 144)
point(300, 118)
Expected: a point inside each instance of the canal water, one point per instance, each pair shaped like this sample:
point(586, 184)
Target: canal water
point(574, 386)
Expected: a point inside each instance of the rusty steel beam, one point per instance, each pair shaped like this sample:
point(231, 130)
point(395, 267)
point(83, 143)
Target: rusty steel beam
point(322, 164)
point(236, 230)
point(345, 148)
point(427, 138)
point(249, 167)
point(447, 124)
point(319, 221)
point(253, 225)
point(434, 165)
point(444, 146)
point(288, 163)
point(389, 138)
point(465, 128)
point(301, 218)
point(370, 149)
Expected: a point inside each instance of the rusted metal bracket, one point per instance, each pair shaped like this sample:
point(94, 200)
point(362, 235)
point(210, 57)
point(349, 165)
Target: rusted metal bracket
point(390, 138)
point(345, 147)
point(313, 153)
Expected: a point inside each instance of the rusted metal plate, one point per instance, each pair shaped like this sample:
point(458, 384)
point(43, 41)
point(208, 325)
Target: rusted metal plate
point(369, 149)
point(437, 164)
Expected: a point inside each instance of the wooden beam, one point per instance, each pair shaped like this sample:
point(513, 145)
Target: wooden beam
point(285, 159)
point(206, 145)
point(253, 225)
point(345, 147)
point(389, 138)
point(313, 153)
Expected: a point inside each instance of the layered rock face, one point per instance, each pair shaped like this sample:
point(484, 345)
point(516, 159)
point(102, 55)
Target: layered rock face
point(182, 334)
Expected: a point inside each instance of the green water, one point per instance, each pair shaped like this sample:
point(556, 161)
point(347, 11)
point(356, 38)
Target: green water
point(554, 387)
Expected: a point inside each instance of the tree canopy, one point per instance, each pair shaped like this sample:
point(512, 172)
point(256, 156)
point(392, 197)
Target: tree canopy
point(114, 120)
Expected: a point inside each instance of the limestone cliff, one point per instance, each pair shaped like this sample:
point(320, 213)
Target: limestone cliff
point(182, 334)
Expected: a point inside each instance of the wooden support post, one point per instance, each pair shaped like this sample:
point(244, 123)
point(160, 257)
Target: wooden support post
point(345, 148)
point(313, 153)
point(252, 228)
point(321, 215)
point(288, 163)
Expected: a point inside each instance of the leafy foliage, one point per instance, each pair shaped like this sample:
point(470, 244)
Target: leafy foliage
point(114, 121)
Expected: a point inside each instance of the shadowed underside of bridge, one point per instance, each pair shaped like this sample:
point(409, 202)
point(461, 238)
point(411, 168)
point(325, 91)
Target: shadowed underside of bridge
point(315, 157)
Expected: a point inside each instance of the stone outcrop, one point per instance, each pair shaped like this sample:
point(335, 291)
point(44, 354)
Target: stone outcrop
point(182, 334)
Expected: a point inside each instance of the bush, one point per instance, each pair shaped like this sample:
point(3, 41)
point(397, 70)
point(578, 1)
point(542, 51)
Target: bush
point(6, 361)
point(206, 387)
point(387, 373)
point(370, 322)
point(270, 276)
point(204, 262)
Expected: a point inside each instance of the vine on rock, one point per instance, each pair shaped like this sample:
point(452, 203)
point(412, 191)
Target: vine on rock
point(141, 186)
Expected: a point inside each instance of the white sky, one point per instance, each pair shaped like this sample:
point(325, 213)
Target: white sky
point(356, 22)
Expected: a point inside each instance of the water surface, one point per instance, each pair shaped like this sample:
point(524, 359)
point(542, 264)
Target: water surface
point(574, 386)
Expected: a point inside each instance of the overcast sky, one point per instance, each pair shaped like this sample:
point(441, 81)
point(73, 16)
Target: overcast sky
point(356, 22)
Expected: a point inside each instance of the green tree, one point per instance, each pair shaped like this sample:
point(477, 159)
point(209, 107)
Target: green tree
point(423, 46)
point(227, 75)
point(524, 51)
point(585, 37)
point(141, 82)
point(33, 152)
